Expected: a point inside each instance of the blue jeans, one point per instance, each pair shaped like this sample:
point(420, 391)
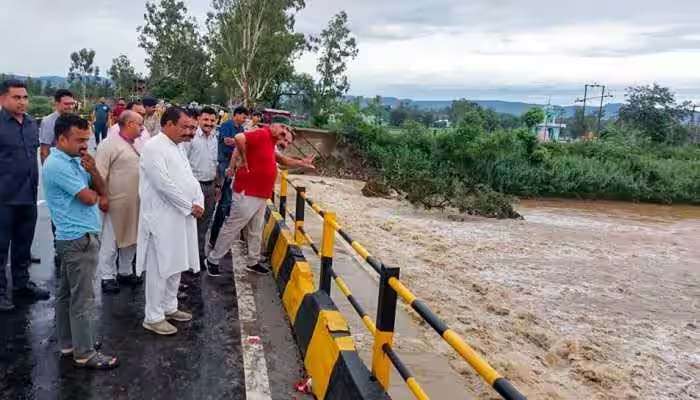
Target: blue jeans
point(100, 132)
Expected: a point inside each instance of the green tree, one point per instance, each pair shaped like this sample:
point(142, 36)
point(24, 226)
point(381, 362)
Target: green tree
point(254, 45)
point(336, 47)
point(459, 108)
point(123, 75)
point(294, 93)
point(533, 116)
point(48, 89)
point(82, 69)
point(654, 111)
point(175, 52)
point(34, 86)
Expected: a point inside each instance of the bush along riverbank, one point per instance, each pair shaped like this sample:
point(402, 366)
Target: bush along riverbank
point(479, 172)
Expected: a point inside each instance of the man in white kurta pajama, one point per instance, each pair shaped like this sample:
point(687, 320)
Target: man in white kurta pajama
point(171, 200)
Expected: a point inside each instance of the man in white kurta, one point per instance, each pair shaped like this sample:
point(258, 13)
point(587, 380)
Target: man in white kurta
point(171, 201)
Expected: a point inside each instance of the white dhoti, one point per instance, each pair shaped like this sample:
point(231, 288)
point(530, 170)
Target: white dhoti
point(161, 293)
point(107, 264)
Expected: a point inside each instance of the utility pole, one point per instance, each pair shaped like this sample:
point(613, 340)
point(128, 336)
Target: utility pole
point(583, 115)
point(600, 110)
point(694, 127)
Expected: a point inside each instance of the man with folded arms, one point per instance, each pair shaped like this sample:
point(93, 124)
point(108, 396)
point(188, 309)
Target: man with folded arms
point(118, 162)
point(73, 187)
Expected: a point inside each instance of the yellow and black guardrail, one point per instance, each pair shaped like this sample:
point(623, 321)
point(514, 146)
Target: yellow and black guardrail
point(320, 330)
point(390, 288)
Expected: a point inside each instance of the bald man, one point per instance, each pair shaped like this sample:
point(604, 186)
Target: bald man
point(138, 108)
point(117, 161)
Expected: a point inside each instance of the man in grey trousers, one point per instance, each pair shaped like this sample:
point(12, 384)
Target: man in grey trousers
point(73, 187)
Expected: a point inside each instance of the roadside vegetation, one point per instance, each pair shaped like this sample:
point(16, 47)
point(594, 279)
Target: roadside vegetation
point(477, 168)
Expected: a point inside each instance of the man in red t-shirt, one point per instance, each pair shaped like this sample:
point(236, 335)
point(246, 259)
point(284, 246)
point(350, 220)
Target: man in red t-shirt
point(252, 187)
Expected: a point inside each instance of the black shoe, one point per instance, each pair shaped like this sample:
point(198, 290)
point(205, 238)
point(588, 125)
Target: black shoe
point(5, 305)
point(213, 270)
point(31, 292)
point(130, 279)
point(110, 286)
point(258, 269)
point(36, 260)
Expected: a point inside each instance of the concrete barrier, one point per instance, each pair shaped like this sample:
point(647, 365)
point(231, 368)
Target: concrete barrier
point(320, 330)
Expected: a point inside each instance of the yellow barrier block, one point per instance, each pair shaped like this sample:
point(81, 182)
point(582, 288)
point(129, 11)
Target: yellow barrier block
point(280, 250)
point(324, 349)
point(301, 282)
point(360, 250)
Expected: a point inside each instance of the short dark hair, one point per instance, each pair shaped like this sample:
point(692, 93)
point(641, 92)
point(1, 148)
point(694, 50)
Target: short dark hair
point(208, 110)
point(61, 93)
point(172, 114)
point(132, 104)
point(67, 121)
point(257, 113)
point(150, 101)
point(11, 83)
point(240, 110)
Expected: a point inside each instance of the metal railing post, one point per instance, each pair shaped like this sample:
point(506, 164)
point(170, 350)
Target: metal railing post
point(299, 216)
point(283, 194)
point(386, 318)
point(327, 244)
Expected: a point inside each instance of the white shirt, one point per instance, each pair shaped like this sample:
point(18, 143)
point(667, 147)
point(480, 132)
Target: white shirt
point(202, 152)
point(138, 143)
point(167, 189)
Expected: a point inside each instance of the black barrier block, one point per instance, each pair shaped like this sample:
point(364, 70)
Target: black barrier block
point(307, 316)
point(351, 380)
point(293, 255)
point(274, 235)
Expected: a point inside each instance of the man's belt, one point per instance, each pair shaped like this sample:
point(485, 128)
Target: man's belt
point(207, 183)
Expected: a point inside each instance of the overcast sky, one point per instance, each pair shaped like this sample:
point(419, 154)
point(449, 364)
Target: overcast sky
point(437, 49)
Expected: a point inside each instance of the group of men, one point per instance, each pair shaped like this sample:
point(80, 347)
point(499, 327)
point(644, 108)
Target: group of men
point(162, 203)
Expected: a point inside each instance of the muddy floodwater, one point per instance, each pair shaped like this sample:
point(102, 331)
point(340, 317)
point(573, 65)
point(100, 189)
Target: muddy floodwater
point(581, 300)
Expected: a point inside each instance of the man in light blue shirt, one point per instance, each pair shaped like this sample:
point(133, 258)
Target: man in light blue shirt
point(73, 188)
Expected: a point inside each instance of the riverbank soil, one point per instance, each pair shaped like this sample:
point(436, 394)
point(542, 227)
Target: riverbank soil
point(580, 300)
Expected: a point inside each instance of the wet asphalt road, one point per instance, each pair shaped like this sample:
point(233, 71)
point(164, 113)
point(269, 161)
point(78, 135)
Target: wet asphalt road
point(202, 361)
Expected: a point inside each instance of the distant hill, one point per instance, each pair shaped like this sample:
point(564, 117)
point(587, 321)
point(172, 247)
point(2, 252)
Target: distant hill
point(499, 106)
point(56, 81)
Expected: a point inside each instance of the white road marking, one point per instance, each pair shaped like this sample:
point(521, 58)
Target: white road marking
point(257, 382)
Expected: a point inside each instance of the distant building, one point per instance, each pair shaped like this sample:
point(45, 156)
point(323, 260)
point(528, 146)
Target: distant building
point(549, 130)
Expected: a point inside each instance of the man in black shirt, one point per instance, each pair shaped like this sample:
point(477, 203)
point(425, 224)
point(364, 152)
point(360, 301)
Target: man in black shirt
point(19, 178)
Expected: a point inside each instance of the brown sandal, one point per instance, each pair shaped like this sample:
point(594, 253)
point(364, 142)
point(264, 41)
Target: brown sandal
point(98, 361)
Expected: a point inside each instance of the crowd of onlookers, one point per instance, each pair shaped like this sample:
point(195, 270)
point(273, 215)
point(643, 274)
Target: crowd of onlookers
point(167, 193)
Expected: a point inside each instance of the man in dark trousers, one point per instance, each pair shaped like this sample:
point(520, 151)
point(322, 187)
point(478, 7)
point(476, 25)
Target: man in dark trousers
point(19, 178)
point(227, 144)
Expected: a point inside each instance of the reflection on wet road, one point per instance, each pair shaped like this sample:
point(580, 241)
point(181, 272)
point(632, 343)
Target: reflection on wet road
point(202, 361)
